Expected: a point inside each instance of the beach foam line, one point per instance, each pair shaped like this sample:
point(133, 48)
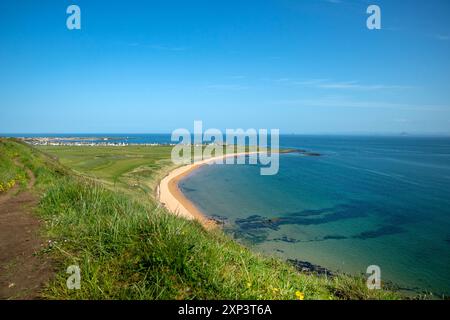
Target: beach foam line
point(171, 197)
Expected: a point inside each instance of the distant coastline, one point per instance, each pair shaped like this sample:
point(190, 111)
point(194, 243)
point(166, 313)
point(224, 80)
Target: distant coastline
point(93, 141)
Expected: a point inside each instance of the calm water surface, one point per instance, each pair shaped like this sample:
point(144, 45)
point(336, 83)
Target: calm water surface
point(366, 201)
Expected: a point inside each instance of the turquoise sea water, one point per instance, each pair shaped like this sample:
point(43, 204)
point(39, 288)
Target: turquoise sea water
point(366, 201)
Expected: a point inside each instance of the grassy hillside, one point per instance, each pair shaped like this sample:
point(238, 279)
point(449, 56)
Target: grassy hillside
point(129, 248)
point(15, 156)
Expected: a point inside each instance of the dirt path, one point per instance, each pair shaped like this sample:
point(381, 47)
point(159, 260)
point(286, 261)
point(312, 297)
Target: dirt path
point(23, 271)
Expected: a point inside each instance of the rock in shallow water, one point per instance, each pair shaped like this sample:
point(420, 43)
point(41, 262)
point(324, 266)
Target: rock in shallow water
point(307, 267)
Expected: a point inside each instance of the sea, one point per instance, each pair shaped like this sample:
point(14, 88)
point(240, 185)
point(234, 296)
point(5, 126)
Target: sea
point(365, 201)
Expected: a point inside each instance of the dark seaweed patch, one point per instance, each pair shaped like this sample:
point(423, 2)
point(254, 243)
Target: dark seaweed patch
point(308, 213)
point(257, 222)
point(186, 189)
point(400, 216)
point(339, 212)
point(334, 237)
point(307, 267)
point(255, 228)
point(380, 232)
point(221, 220)
point(251, 237)
point(286, 239)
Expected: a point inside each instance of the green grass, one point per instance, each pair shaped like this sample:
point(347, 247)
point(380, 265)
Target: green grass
point(134, 170)
point(16, 156)
point(129, 248)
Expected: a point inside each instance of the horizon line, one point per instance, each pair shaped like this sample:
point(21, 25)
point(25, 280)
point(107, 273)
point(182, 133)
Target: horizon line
point(397, 134)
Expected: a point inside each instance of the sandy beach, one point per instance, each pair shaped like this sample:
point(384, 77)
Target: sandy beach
point(171, 197)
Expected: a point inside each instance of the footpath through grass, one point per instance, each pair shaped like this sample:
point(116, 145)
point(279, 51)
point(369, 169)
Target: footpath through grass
point(129, 248)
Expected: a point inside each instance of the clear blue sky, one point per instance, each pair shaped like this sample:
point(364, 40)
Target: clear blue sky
point(303, 66)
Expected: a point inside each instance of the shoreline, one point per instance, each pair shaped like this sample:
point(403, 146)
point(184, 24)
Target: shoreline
point(172, 198)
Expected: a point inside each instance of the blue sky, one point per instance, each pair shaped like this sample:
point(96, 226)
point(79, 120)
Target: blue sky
point(303, 66)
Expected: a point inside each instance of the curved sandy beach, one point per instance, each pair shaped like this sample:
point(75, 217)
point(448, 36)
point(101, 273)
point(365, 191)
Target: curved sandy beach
point(171, 197)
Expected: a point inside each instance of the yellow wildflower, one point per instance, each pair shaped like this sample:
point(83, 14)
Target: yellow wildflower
point(10, 184)
point(300, 295)
point(249, 284)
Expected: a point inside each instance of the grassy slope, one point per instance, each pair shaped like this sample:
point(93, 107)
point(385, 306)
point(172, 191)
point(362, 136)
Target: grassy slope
point(135, 172)
point(10, 173)
point(14, 156)
point(128, 248)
